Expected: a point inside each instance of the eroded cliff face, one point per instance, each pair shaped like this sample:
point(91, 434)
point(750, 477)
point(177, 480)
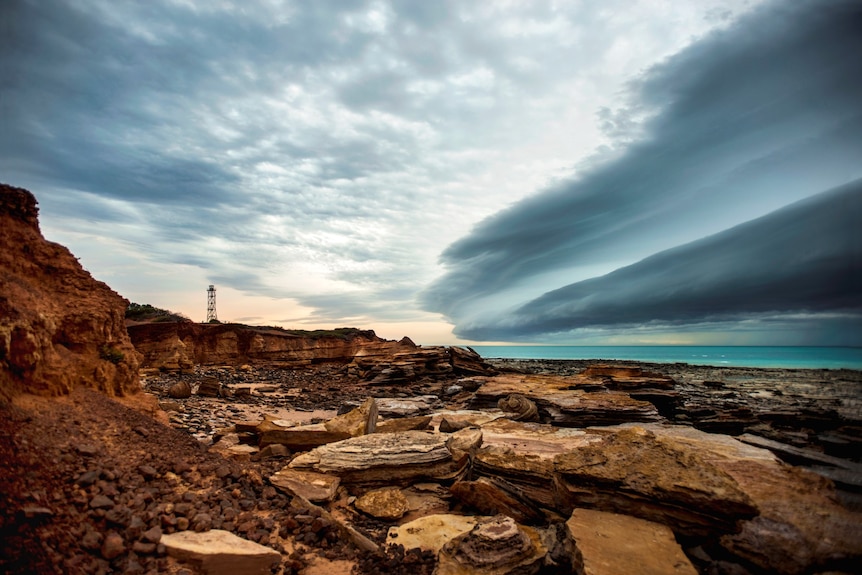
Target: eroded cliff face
point(182, 345)
point(59, 327)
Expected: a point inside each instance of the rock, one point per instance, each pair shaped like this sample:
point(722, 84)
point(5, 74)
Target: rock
point(635, 472)
point(34, 514)
point(180, 390)
point(356, 422)
point(388, 503)
point(612, 544)
point(497, 546)
point(447, 426)
point(417, 423)
point(300, 438)
point(218, 552)
point(563, 402)
point(101, 502)
point(801, 527)
point(210, 387)
point(431, 533)
point(384, 458)
point(59, 327)
point(274, 450)
point(519, 407)
point(315, 487)
point(465, 441)
point(404, 407)
point(153, 535)
point(113, 546)
point(497, 497)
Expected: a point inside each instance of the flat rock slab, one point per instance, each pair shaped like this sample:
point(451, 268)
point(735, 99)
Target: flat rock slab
point(377, 450)
point(637, 472)
point(316, 487)
point(431, 533)
point(560, 399)
point(408, 406)
point(385, 458)
point(387, 503)
point(220, 552)
point(611, 544)
point(301, 438)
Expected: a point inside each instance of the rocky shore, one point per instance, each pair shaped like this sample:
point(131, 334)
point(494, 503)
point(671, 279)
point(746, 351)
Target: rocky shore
point(185, 448)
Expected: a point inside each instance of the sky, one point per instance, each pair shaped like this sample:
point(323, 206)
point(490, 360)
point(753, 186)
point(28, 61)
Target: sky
point(572, 172)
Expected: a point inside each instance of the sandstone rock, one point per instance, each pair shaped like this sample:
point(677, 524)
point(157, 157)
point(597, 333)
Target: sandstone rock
point(210, 387)
point(801, 527)
point(408, 406)
point(497, 497)
point(384, 457)
point(59, 327)
point(274, 450)
point(417, 423)
point(356, 422)
point(388, 503)
point(315, 487)
point(559, 400)
point(497, 546)
point(180, 390)
point(519, 408)
point(464, 441)
point(635, 472)
point(431, 533)
point(218, 552)
point(299, 438)
point(611, 544)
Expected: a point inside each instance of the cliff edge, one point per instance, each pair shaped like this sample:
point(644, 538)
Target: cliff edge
point(59, 327)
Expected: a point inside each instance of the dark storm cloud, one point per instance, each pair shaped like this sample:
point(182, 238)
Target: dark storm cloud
point(803, 259)
point(748, 120)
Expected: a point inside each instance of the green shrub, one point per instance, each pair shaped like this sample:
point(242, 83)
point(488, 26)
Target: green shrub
point(111, 353)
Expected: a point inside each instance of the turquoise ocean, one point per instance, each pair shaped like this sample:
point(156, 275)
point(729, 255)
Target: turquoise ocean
point(722, 356)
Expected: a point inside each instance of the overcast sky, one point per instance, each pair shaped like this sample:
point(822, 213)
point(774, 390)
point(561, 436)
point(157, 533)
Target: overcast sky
point(568, 172)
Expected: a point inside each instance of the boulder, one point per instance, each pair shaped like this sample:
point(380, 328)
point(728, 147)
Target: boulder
point(388, 503)
point(218, 552)
point(465, 441)
point(313, 486)
point(495, 546)
point(210, 387)
point(356, 422)
point(612, 544)
point(180, 390)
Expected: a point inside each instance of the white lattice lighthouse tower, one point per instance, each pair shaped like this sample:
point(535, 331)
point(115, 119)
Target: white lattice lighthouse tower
point(211, 310)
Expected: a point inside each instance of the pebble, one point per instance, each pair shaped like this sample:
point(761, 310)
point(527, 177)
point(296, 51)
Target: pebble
point(113, 546)
point(101, 502)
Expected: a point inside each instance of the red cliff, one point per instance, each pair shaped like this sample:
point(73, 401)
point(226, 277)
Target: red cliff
point(59, 327)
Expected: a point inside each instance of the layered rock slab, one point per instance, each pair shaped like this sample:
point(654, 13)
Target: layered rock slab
point(636, 472)
point(612, 544)
point(560, 401)
point(402, 457)
point(219, 552)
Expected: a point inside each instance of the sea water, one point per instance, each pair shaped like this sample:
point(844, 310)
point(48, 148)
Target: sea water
point(722, 356)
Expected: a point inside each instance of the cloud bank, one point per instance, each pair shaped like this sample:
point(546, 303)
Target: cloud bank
point(749, 120)
point(321, 153)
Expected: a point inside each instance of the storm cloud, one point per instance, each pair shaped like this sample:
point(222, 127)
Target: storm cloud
point(740, 124)
point(804, 260)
